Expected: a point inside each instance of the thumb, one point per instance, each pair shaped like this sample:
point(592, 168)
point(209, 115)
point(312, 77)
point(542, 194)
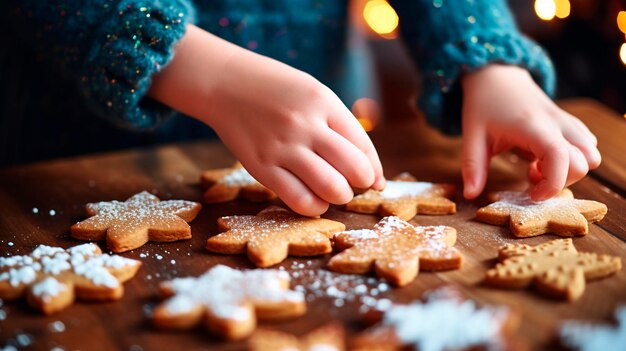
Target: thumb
point(475, 159)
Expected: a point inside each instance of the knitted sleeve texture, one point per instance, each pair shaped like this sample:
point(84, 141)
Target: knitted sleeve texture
point(448, 38)
point(111, 47)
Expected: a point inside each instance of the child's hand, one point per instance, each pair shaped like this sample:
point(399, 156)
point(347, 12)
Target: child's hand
point(503, 108)
point(291, 132)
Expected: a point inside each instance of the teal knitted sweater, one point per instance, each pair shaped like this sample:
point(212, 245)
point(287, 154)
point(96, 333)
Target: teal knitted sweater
point(112, 48)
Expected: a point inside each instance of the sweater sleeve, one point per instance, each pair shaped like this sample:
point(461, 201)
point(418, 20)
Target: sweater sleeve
point(110, 47)
point(448, 38)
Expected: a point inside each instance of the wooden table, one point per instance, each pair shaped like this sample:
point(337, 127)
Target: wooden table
point(64, 186)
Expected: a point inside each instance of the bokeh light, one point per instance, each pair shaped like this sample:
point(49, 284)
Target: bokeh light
point(622, 53)
point(563, 8)
point(367, 112)
point(621, 21)
point(545, 9)
point(381, 18)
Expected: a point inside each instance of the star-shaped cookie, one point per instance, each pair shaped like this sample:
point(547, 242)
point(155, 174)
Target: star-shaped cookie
point(556, 268)
point(396, 250)
point(404, 197)
point(142, 218)
point(272, 235)
point(227, 184)
point(440, 323)
point(52, 277)
point(563, 214)
point(327, 338)
point(588, 337)
point(227, 301)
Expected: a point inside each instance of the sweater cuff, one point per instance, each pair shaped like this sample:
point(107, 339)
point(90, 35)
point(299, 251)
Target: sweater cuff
point(441, 98)
point(134, 44)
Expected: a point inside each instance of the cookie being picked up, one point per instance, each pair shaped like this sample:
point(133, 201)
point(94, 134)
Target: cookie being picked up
point(272, 235)
point(405, 197)
point(130, 224)
point(227, 184)
point(563, 214)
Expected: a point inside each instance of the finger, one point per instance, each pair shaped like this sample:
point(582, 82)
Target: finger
point(578, 166)
point(475, 160)
point(346, 158)
point(553, 153)
point(534, 172)
point(577, 134)
point(289, 189)
point(347, 126)
point(319, 176)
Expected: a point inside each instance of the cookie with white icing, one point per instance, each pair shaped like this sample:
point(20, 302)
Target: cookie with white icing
point(227, 301)
point(130, 224)
point(272, 235)
point(227, 184)
point(556, 268)
point(589, 337)
point(405, 197)
point(396, 250)
point(327, 338)
point(563, 214)
point(53, 277)
point(443, 322)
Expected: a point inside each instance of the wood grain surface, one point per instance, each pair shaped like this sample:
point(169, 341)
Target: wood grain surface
point(172, 172)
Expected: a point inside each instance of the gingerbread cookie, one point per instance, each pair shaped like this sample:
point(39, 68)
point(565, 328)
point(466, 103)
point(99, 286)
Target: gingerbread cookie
point(555, 268)
point(327, 338)
point(272, 235)
point(227, 184)
point(130, 224)
point(227, 301)
point(52, 277)
point(441, 323)
point(404, 197)
point(396, 250)
point(562, 214)
point(588, 337)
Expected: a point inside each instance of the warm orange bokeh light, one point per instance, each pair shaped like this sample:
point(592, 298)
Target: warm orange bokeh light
point(622, 53)
point(545, 9)
point(621, 21)
point(563, 8)
point(381, 18)
point(367, 112)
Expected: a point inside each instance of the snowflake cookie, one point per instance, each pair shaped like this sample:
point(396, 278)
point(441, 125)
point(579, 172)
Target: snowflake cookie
point(227, 184)
point(589, 337)
point(443, 322)
point(272, 235)
point(563, 214)
point(404, 197)
point(52, 277)
point(227, 301)
point(130, 224)
point(396, 250)
point(556, 268)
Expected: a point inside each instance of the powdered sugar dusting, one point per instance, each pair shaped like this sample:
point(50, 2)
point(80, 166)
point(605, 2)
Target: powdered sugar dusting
point(82, 260)
point(143, 209)
point(398, 189)
point(446, 324)
point(238, 177)
point(48, 289)
point(588, 337)
point(226, 291)
point(525, 208)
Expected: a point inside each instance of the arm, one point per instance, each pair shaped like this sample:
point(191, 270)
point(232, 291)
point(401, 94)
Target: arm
point(291, 132)
point(110, 47)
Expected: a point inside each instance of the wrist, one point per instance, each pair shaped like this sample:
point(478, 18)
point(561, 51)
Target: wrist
point(492, 71)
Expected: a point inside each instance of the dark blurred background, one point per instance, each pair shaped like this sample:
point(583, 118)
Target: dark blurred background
point(587, 45)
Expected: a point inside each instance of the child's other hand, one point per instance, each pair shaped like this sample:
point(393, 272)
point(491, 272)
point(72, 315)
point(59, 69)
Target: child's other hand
point(504, 108)
point(292, 133)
